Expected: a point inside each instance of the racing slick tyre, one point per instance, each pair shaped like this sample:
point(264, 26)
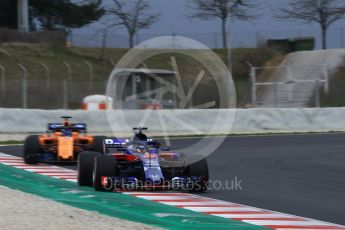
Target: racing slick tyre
point(84, 165)
point(103, 165)
point(31, 149)
point(98, 144)
point(199, 169)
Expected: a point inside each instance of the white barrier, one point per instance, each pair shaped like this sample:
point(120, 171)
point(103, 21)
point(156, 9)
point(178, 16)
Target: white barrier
point(257, 120)
point(289, 120)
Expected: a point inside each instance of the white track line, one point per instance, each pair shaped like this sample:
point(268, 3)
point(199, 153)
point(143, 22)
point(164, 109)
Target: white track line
point(251, 215)
point(198, 204)
point(169, 197)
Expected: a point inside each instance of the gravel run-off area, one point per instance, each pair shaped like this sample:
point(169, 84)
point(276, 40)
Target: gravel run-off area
point(20, 210)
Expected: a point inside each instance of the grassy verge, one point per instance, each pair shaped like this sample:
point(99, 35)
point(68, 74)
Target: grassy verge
point(11, 142)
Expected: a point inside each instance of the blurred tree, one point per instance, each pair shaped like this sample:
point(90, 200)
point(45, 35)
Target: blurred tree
point(64, 14)
point(53, 14)
point(8, 16)
point(222, 9)
point(132, 15)
point(323, 12)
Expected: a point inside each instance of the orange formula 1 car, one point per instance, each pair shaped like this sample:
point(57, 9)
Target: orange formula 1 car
point(62, 143)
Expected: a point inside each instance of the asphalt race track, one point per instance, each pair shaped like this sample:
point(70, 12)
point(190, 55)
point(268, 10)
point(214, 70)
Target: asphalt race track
point(302, 175)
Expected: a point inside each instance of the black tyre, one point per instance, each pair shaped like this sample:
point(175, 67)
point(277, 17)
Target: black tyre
point(84, 165)
point(98, 144)
point(31, 149)
point(199, 169)
point(104, 165)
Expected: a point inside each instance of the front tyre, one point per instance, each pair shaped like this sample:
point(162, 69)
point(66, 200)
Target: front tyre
point(84, 165)
point(199, 169)
point(31, 149)
point(103, 166)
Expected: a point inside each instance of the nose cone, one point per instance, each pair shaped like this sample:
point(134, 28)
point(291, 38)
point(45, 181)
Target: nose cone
point(154, 174)
point(65, 148)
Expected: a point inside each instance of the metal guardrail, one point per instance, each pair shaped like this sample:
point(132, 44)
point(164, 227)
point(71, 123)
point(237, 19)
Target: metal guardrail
point(3, 79)
point(47, 71)
point(24, 86)
point(59, 89)
point(90, 70)
point(324, 81)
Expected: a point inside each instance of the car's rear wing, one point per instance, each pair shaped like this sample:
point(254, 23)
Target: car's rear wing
point(75, 127)
point(139, 128)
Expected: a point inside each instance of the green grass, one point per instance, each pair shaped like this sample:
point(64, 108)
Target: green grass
point(11, 142)
point(54, 57)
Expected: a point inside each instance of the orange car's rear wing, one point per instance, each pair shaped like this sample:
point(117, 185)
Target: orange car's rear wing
point(74, 127)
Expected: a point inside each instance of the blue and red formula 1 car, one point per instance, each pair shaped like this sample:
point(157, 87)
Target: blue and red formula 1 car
point(141, 164)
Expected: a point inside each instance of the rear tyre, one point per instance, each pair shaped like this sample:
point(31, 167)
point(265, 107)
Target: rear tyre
point(104, 165)
point(98, 144)
point(199, 169)
point(31, 149)
point(84, 165)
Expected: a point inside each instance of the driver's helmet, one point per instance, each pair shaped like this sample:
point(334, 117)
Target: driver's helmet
point(136, 148)
point(67, 123)
point(66, 132)
point(140, 136)
point(140, 148)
